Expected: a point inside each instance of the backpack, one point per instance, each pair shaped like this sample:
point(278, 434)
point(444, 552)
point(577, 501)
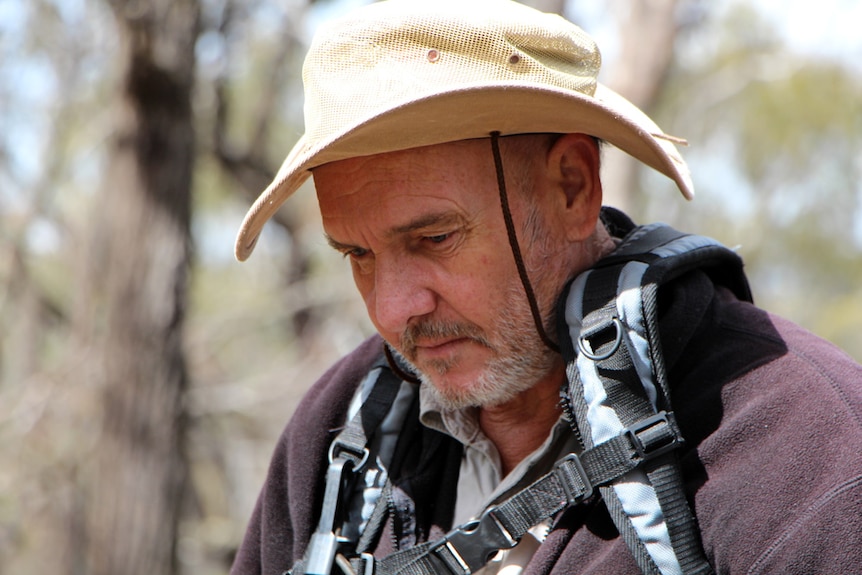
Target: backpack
point(617, 400)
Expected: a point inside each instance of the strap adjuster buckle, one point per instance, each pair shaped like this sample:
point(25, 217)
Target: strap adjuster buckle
point(563, 470)
point(655, 436)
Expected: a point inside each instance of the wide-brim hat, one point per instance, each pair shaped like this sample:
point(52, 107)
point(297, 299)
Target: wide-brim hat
point(402, 74)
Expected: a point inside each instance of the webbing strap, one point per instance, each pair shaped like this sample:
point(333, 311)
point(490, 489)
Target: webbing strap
point(348, 454)
point(469, 547)
point(684, 532)
point(352, 441)
point(644, 445)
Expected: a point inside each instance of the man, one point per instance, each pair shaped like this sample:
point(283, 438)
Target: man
point(455, 151)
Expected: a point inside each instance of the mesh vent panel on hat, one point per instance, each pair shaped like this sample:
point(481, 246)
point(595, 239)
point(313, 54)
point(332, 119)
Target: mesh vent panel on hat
point(365, 66)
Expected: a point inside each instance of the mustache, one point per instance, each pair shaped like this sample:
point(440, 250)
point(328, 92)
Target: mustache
point(439, 330)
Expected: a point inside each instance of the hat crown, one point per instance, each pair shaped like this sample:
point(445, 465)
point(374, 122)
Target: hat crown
point(394, 52)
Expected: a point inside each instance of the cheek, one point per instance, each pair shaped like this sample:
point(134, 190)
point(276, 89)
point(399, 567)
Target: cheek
point(480, 292)
point(365, 286)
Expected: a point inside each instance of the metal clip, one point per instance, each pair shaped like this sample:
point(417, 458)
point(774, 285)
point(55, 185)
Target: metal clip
point(338, 449)
point(324, 542)
point(321, 553)
point(586, 349)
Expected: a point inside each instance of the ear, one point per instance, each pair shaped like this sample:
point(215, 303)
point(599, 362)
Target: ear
point(573, 166)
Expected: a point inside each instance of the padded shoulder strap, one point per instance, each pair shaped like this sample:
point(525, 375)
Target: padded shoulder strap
point(618, 385)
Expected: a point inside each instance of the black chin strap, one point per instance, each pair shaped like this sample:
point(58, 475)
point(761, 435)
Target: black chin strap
point(396, 367)
point(516, 250)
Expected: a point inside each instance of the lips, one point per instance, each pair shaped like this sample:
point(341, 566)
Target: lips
point(437, 349)
point(438, 341)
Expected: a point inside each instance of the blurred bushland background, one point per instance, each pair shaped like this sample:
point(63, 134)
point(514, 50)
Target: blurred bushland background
point(145, 375)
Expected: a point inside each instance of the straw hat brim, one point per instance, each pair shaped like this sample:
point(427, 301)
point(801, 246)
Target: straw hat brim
point(467, 113)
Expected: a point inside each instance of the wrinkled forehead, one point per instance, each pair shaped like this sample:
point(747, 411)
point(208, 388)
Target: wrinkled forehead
point(459, 177)
point(435, 161)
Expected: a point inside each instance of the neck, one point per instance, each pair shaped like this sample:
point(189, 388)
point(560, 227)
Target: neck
point(518, 427)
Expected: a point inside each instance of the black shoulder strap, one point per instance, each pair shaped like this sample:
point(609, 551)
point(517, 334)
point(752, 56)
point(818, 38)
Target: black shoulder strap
point(618, 385)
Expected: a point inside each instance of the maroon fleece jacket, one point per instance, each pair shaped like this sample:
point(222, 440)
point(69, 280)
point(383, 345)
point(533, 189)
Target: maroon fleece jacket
point(772, 417)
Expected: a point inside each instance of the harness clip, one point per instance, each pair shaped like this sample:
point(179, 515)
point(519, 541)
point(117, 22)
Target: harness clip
point(473, 545)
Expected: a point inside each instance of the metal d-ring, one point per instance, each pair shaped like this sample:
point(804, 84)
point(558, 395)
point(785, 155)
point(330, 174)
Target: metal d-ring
point(589, 354)
point(357, 465)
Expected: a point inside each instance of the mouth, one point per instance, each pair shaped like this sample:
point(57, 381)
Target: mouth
point(440, 348)
point(440, 342)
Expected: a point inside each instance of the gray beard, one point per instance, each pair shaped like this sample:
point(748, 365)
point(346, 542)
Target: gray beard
point(516, 368)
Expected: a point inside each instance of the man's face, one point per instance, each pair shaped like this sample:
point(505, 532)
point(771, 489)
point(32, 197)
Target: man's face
point(424, 233)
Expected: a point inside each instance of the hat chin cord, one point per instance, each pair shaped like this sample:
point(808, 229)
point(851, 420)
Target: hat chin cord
point(516, 250)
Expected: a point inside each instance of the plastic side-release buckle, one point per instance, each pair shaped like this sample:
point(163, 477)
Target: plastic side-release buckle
point(473, 545)
point(655, 436)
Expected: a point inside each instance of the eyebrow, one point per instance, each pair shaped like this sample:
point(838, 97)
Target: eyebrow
point(419, 223)
point(336, 245)
point(426, 221)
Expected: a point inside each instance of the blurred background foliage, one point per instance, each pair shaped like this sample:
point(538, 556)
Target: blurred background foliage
point(776, 150)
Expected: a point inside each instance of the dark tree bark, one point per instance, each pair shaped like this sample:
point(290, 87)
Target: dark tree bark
point(143, 228)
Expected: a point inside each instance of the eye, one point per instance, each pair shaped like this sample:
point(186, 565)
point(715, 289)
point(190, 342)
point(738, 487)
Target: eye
point(438, 239)
point(355, 253)
point(361, 260)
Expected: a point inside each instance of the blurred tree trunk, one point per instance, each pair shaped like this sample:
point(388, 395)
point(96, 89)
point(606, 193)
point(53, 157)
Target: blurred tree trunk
point(647, 32)
point(142, 239)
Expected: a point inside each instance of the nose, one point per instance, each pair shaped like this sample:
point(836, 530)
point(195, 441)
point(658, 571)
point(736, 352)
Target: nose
point(402, 291)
